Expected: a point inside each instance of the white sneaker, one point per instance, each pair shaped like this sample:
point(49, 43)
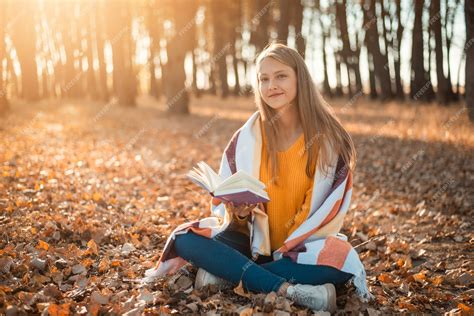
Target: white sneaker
point(316, 297)
point(204, 278)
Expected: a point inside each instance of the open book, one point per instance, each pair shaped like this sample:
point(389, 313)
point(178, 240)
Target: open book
point(239, 188)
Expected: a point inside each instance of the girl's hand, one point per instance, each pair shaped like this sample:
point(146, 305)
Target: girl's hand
point(240, 210)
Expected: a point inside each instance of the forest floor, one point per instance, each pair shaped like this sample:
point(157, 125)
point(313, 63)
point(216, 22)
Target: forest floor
point(89, 192)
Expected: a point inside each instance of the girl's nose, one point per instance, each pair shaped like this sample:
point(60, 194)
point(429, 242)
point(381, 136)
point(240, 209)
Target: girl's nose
point(271, 84)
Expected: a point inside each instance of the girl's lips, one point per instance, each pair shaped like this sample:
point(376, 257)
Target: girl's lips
point(275, 95)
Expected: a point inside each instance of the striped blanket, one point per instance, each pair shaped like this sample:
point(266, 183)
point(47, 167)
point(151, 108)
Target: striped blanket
point(316, 241)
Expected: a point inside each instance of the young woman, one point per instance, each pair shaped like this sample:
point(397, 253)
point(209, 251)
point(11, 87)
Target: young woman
point(301, 152)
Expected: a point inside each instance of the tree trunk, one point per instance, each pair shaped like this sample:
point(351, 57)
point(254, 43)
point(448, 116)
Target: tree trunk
point(119, 25)
point(386, 41)
point(235, 64)
point(154, 21)
point(326, 86)
point(324, 35)
point(24, 39)
point(435, 20)
point(298, 23)
point(370, 63)
point(260, 20)
point(220, 19)
point(3, 88)
point(346, 53)
point(380, 61)
point(419, 82)
point(372, 84)
point(69, 78)
point(12, 77)
point(130, 48)
point(469, 49)
point(430, 95)
point(151, 68)
point(388, 38)
point(458, 77)
point(235, 33)
point(284, 21)
point(338, 91)
point(91, 80)
point(177, 99)
point(212, 81)
point(100, 40)
point(449, 20)
point(397, 51)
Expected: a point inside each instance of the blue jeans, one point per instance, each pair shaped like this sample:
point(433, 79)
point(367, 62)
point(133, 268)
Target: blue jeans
point(227, 255)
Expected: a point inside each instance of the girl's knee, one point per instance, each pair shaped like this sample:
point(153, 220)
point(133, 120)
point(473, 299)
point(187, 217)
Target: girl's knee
point(183, 241)
point(189, 242)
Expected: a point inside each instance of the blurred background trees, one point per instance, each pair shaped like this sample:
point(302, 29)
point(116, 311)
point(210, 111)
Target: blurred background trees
point(173, 50)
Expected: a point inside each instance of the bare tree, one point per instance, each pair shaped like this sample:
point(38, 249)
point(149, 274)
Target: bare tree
point(297, 21)
point(119, 29)
point(3, 90)
point(24, 40)
point(154, 21)
point(69, 75)
point(324, 36)
point(379, 60)
point(348, 55)
point(448, 26)
point(222, 42)
point(397, 50)
point(177, 99)
point(435, 23)
point(235, 20)
point(260, 20)
point(88, 19)
point(284, 20)
point(420, 85)
point(100, 41)
point(469, 51)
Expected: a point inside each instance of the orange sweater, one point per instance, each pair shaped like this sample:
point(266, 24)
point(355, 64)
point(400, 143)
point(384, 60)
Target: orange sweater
point(289, 201)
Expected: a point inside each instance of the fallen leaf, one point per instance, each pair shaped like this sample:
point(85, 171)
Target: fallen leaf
point(92, 248)
point(437, 280)
point(420, 276)
point(385, 278)
point(465, 308)
point(93, 309)
point(104, 265)
point(96, 196)
point(59, 310)
point(42, 245)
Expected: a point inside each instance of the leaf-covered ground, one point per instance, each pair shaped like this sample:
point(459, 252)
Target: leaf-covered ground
point(89, 192)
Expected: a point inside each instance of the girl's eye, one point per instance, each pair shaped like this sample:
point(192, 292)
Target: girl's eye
point(263, 79)
point(281, 76)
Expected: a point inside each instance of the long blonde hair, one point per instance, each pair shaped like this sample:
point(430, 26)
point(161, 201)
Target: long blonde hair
point(320, 125)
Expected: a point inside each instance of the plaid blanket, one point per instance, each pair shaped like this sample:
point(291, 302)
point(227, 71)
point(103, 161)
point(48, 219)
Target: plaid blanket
point(316, 241)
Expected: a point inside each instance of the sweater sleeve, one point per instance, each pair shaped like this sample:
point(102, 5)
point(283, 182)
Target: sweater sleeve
point(302, 212)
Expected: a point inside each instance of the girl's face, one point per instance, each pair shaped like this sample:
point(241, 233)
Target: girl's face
point(277, 83)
